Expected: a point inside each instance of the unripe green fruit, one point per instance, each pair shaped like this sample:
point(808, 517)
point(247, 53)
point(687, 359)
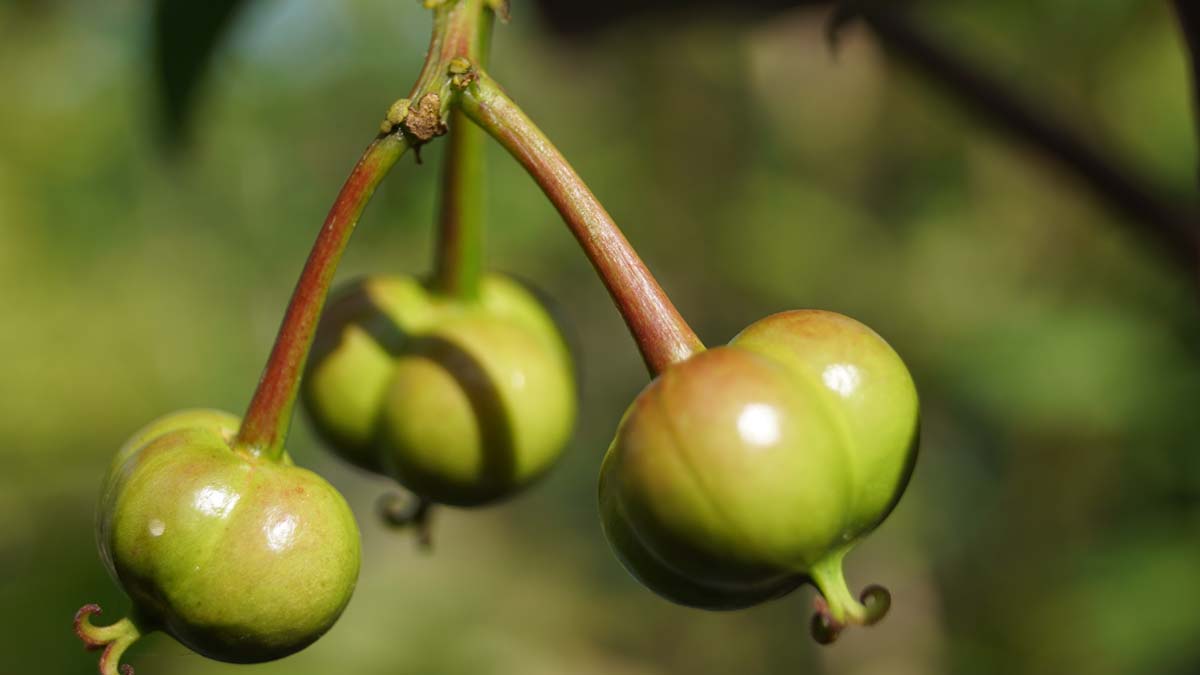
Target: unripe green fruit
point(461, 401)
point(364, 327)
point(240, 558)
point(475, 411)
point(748, 469)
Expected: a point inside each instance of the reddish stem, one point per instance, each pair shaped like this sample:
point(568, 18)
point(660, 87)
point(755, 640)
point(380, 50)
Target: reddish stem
point(460, 28)
point(269, 415)
point(662, 335)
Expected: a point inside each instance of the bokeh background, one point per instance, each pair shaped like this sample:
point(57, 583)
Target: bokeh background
point(1053, 522)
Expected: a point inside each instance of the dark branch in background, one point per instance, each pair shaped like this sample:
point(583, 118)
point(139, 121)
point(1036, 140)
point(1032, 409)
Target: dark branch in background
point(1189, 24)
point(187, 32)
point(1172, 225)
point(575, 18)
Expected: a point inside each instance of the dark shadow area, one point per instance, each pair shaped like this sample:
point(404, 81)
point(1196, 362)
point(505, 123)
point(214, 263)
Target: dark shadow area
point(499, 468)
point(495, 429)
point(186, 34)
point(574, 19)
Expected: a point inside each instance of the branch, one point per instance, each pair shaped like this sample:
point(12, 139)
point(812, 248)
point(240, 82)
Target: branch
point(269, 415)
point(1174, 226)
point(662, 335)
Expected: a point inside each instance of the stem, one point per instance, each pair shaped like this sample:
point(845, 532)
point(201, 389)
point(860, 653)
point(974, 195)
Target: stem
point(461, 28)
point(458, 256)
point(269, 415)
point(836, 605)
point(841, 605)
point(113, 639)
point(662, 335)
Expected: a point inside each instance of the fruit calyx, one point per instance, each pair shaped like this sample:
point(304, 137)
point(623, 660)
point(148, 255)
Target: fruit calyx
point(114, 639)
point(836, 607)
point(409, 511)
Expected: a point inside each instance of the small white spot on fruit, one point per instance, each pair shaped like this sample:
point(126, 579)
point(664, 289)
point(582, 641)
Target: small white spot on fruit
point(279, 530)
point(758, 424)
point(157, 527)
point(842, 378)
point(518, 380)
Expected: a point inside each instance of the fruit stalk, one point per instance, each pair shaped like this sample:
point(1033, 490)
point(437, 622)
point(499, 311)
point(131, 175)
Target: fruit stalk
point(458, 256)
point(461, 28)
point(113, 639)
point(662, 336)
point(269, 415)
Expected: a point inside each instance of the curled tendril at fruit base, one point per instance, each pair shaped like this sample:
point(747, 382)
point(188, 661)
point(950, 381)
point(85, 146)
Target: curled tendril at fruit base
point(113, 639)
point(401, 510)
point(875, 602)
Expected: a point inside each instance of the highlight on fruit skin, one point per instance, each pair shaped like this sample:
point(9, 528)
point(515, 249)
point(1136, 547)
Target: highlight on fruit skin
point(462, 401)
point(750, 469)
point(240, 558)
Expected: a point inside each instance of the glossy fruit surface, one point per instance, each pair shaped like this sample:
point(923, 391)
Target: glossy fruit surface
point(461, 401)
point(750, 468)
point(240, 558)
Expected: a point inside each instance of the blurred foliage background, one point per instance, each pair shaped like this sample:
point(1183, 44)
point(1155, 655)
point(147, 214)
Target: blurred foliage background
point(1053, 523)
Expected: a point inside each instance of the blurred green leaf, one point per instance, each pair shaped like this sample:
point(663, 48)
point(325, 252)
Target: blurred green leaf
point(186, 34)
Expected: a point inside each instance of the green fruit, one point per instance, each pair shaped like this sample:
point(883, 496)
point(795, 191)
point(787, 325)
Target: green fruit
point(363, 329)
point(238, 557)
point(463, 402)
point(749, 469)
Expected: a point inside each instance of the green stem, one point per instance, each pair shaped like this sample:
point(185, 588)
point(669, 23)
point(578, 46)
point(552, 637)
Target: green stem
point(269, 415)
point(114, 639)
point(461, 28)
point(829, 578)
point(458, 257)
point(662, 335)
point(837, 607)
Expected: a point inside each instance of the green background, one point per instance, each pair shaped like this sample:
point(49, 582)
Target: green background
point(1053, 522)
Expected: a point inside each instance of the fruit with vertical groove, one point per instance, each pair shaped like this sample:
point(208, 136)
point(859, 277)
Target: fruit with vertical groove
point(748, 469)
